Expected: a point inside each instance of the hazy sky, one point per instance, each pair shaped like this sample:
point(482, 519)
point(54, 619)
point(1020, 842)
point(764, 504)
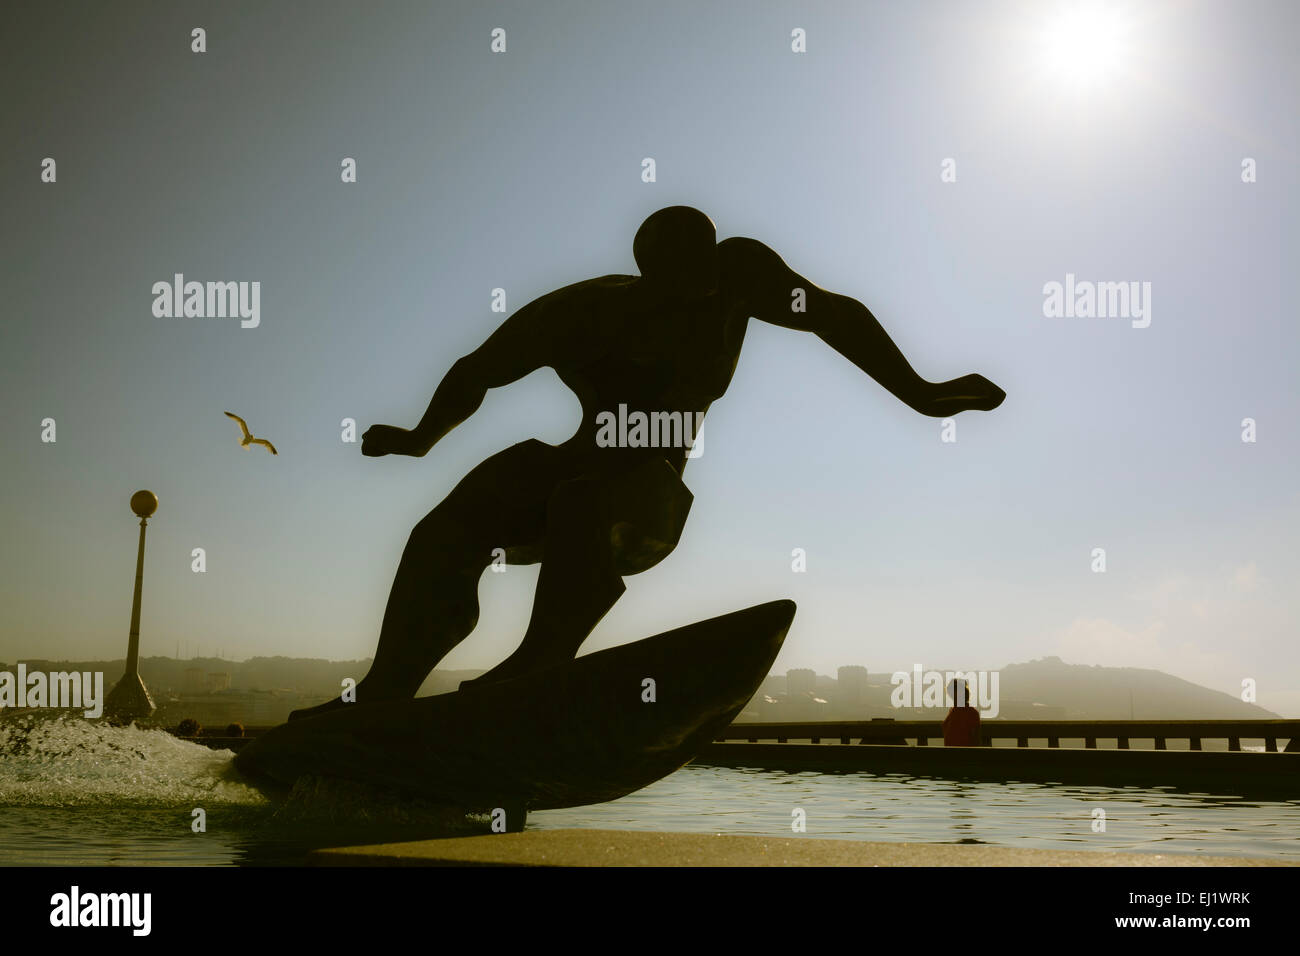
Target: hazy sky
point(1108, 146)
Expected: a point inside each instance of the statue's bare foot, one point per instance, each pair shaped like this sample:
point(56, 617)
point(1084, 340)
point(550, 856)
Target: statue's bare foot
point(481, 681)
point(506, 670)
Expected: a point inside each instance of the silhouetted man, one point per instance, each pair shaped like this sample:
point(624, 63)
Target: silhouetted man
point(590, 511)
point(961, 728)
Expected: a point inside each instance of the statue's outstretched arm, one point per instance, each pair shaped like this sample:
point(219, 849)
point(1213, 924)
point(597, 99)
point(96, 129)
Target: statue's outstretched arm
point(769, 287)
point(522, 344)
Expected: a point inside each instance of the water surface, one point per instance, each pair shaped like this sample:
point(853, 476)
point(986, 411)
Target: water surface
point(81, 792)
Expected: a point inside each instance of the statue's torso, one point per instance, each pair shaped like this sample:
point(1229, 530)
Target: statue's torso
point(653, 356)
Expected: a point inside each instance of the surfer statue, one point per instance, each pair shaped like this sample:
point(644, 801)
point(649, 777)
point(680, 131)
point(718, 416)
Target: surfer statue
point(650, 352)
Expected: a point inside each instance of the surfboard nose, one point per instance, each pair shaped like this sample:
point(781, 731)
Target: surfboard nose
point(722, 660)
point(740, 643)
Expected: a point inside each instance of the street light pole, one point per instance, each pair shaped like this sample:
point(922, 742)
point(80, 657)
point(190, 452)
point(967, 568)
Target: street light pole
point(129, 699)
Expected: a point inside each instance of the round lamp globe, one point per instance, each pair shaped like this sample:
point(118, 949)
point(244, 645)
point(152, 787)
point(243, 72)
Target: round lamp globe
point(144, 503)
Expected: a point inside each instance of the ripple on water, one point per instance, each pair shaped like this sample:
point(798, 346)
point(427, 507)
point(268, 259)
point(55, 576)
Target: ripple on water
point(897, 807)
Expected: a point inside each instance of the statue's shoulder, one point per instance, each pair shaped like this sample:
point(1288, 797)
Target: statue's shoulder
point(587, 295)
point(597, 285)
point(605, 288)
point(581, 320)
point(742, 254)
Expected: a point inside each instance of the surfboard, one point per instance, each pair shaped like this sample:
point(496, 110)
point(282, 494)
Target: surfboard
point(585, 731)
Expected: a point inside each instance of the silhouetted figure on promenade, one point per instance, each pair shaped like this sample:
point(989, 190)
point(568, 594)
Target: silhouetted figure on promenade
point(663, 343)
point(961, 728)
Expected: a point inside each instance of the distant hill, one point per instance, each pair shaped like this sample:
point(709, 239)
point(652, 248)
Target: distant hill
point(1071, 691)
point(1116, 693)
point(1045, 689)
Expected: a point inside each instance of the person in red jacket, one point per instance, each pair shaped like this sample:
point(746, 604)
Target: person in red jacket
point(961, 728)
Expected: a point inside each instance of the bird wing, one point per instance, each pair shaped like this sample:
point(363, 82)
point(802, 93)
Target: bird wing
point(242, 424)
point(263, 441)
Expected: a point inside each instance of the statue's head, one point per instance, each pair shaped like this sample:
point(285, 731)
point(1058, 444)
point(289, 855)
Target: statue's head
point(960, 691)
point(676, 249)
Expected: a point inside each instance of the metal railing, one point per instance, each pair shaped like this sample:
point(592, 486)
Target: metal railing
point(888, 731)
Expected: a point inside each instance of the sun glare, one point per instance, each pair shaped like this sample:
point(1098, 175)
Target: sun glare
point(1084, 44)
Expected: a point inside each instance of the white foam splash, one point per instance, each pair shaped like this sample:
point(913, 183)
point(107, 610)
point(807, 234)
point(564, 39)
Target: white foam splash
point(55, 760)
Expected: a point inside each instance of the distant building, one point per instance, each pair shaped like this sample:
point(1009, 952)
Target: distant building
point(808, 707)
point(800, 682)
point(850, 698)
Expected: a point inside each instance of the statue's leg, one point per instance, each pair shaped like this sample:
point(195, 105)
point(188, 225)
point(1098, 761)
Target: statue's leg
point(577, 585)
point(433, 604)
point(432, 607)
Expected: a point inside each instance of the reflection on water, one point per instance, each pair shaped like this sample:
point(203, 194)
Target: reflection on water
point(902, 808)
point(79, 792)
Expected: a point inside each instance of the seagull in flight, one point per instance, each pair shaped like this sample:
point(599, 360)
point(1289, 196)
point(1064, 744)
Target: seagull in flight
point(248, 438)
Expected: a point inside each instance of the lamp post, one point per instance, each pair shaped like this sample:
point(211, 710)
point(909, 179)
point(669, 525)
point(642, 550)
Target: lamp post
point(129, 699)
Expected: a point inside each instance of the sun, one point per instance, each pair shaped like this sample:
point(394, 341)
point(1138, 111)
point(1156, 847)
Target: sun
point(1085, 44)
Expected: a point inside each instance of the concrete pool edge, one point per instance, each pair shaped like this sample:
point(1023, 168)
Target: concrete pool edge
point(580, 847)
